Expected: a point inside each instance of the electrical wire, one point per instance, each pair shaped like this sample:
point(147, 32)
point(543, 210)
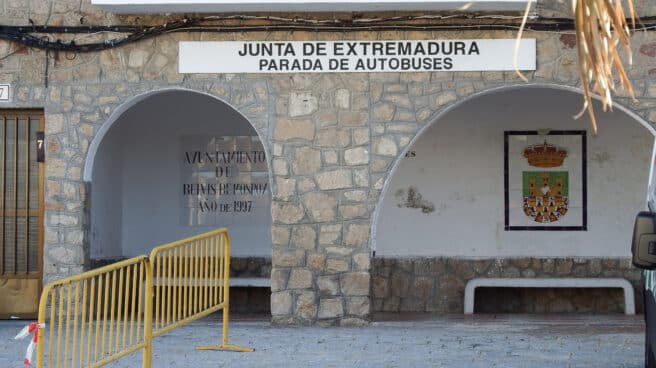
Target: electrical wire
point(32, 36)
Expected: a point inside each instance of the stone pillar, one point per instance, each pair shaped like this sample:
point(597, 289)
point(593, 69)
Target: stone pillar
point(64, 225)
point(321, 215)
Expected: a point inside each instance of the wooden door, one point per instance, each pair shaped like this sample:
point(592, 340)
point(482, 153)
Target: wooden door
point(21, 212)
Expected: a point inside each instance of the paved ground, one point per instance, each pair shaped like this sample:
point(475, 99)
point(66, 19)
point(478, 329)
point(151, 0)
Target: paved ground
point(450, 341)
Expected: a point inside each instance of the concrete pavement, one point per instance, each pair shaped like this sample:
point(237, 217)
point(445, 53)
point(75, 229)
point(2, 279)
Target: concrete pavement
point(445, 341)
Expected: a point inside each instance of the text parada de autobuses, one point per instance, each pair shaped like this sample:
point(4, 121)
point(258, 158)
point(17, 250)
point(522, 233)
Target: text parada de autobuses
point(369, 55)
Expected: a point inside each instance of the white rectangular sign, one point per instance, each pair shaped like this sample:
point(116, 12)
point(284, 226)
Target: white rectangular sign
point(355, 56)
point(4, 92)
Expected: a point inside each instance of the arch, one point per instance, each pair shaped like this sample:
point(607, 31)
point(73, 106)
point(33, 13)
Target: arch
point(87, 172)
point(134, 173)
point(445, 110)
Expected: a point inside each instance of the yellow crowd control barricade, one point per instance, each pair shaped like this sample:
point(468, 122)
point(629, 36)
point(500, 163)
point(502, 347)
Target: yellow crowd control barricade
point(192, 280)
point(97, 317)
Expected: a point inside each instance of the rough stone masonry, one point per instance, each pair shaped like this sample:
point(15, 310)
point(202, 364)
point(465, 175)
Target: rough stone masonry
point(331, 139)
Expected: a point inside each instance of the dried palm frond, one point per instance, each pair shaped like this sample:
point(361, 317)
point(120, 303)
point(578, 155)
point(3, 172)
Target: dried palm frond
point(519, 38)
point(601, 29)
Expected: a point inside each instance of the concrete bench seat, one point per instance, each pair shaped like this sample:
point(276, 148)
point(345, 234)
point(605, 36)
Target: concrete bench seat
point(234, 282)
point(250, 282)
point(629, 303)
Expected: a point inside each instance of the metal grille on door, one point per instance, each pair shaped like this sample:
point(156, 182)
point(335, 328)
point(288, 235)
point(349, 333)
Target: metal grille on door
point(21, 212)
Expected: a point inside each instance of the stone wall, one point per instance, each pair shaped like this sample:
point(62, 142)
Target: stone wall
point(331, 139)
point(438, 285)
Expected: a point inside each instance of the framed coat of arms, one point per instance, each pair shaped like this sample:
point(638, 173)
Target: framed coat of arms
point(545, 180)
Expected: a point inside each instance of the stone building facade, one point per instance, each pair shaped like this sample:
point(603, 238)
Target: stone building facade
point(331, 140)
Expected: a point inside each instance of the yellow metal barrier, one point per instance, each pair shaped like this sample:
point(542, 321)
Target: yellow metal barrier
point(97, 316)
point(192, 280)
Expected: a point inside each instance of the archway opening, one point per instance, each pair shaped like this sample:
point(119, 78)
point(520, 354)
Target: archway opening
point(443, 218)
point(177, 164)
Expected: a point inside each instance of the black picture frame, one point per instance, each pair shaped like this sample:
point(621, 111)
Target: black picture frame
point(584, 184)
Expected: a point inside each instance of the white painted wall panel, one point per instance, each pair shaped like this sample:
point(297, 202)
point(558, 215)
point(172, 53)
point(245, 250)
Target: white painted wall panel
point(106, 213)
point(147, 185)
point(459, 169)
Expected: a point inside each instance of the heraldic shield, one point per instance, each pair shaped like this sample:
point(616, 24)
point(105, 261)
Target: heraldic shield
point(545, 195)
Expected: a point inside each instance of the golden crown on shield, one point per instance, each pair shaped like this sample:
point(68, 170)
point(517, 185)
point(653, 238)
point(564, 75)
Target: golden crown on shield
point(545, 155)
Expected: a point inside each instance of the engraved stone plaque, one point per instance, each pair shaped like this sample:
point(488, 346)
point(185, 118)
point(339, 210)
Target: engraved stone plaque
point(223, 182)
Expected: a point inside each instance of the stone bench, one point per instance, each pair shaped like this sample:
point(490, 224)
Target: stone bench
point(250, 282)
point(234, 282)
point(629, 303)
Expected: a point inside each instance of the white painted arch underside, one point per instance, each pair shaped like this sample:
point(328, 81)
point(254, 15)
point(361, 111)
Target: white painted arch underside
point(470, 103)
point(136, 174)
point(87, 173)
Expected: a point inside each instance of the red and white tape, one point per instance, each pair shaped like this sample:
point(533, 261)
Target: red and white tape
point(32, 328)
